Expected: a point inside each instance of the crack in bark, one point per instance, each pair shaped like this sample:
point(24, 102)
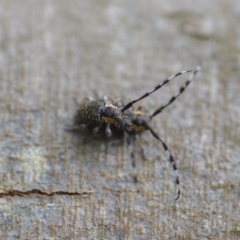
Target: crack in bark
point(18, 193)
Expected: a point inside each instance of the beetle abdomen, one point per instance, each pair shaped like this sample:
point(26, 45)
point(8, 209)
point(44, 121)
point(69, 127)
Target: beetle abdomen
point(89, 112)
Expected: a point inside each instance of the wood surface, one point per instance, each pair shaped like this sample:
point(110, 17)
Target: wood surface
point(55, 184)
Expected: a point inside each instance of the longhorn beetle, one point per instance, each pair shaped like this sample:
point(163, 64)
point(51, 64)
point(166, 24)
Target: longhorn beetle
point(98, 114)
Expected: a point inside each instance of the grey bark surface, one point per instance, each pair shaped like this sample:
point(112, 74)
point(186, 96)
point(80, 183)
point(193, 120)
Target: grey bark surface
point(57, 185)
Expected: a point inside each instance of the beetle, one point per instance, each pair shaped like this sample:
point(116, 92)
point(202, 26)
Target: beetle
point(98, 114)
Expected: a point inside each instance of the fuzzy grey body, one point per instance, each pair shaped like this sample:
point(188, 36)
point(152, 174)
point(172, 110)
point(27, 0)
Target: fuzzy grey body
point(89, 112)
point(97, 112)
